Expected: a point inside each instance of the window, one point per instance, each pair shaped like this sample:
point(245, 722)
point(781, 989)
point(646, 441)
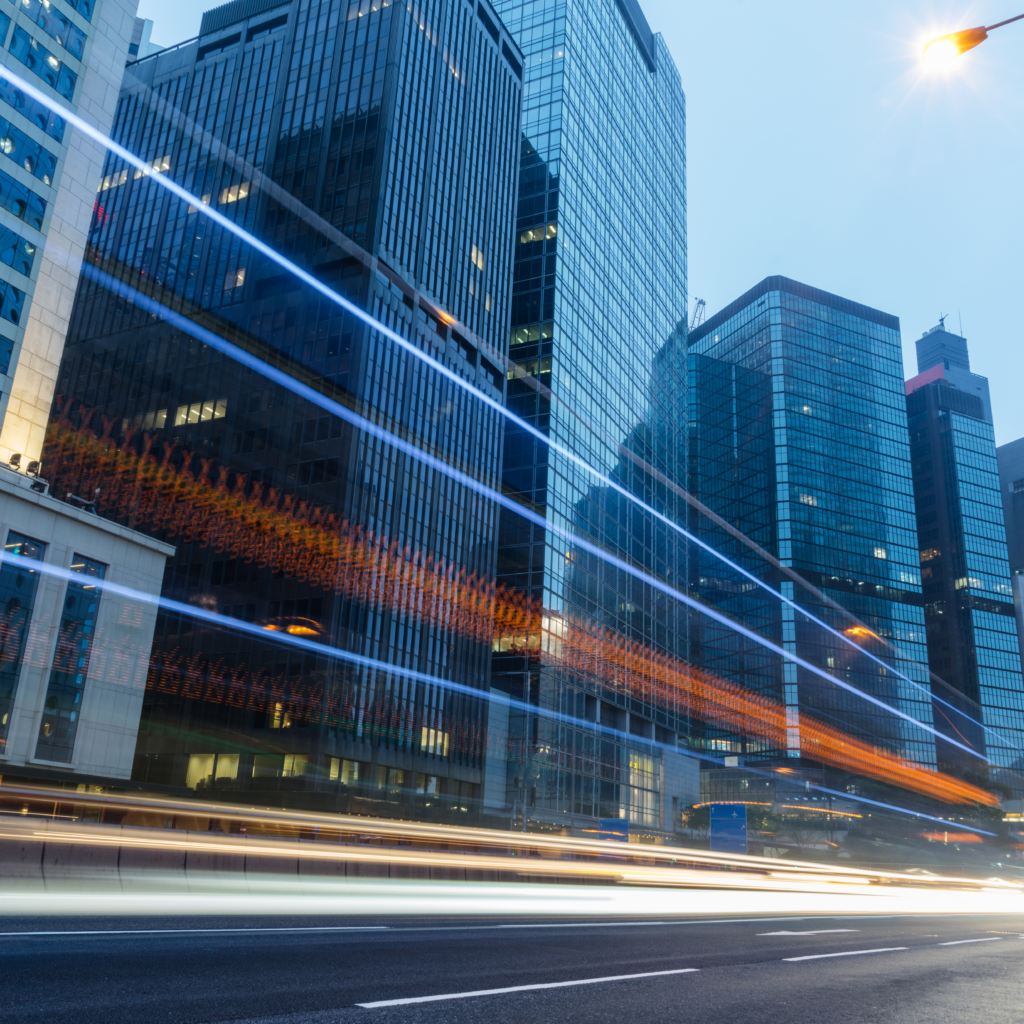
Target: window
point(807, 499)
point(18, 585)
point(538, 234)
point(157, 166)
point(234, 279)
point(200, 412)
point(39, 59)
point(233, 193)
point(880, 553)
point(62, 708)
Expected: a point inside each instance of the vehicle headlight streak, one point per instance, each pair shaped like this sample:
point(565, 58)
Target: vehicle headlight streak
point(390, 669)
point(310, 394)
point(220, 344)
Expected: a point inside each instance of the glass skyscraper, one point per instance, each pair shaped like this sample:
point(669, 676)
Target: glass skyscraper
point(376, 145)
point(969, 607)
point(798, 438)
point(598, 333)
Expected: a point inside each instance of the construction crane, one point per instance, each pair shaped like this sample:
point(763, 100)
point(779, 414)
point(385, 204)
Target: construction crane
point(698, 314)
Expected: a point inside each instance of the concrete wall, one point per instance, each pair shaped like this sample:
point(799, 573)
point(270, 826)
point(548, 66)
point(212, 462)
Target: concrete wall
point(114, 686)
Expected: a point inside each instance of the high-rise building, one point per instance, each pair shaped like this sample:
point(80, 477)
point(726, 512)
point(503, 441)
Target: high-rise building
point(598, 333)
point(376, 145)
point(798, 438)
point(69, 709)
point(74, 52)
point(972, 627)
point(1010, 458)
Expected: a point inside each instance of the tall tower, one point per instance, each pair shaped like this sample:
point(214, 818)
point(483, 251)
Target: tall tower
point(376, 145)
point(598, 331)
point(799, 440)
point(968, 592)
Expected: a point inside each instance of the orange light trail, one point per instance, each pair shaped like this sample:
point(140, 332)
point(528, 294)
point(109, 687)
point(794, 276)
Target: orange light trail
point(312, 545)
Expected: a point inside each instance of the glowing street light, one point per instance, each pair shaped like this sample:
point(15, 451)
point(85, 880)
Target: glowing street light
point(944, 48)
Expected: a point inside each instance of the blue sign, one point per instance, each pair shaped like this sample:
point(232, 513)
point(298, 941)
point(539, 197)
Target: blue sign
point(729, 828)
point(615, 829)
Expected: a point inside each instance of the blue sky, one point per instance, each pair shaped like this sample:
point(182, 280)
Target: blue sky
point(821, 147)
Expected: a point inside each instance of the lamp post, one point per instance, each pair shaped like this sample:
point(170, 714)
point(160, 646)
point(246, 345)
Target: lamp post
point(944, 48)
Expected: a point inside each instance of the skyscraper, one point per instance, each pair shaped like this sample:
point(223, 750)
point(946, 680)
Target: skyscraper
point(374, 144)
point(598, 333)
point(798, 438)
point(1010, 458)
point(74, 52)
point(972, 628)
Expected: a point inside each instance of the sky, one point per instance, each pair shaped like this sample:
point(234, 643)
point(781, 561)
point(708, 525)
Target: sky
point(820, 146)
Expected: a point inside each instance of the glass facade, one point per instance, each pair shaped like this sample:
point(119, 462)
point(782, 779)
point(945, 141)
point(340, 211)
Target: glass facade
point(598, 334)
point(62, 706)
point(798, 438)
point(969, 607)
point(17, 599)
point(375, 145)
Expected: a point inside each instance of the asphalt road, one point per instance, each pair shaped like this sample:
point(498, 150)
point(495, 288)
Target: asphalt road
point(897, 970)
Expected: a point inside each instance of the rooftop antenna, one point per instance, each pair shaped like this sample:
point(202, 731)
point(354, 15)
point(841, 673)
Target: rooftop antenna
point(942, 320)
point(961, 319)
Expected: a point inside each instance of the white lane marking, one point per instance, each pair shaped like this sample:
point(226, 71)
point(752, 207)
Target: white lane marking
point(588, 924)
point(852, 952)
point(823, 931)
point(204, 931)
point(963, 942)
point(522, 988)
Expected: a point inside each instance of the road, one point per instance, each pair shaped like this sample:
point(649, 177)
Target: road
point(778, 970)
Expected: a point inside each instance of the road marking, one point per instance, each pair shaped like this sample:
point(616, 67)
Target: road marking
point(852, 952)
point(823, 931)
point(963, 942)
point(522, 988)
point(205, 931)
point(587, 924)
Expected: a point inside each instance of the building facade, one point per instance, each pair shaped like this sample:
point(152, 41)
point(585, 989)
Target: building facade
point(798, 438)
point(969, 608)
point(598, 337)
point(1010, 458)
point(75, 53)
point(376, 146)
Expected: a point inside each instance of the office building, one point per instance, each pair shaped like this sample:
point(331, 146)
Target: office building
point(74, 52)
point(1010, 458)
point(598, 335)
point(798, 438)
point(969, 608)
point(376, 145)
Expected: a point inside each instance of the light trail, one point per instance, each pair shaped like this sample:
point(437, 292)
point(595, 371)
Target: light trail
point(455, 378)
point(730, 702)
point(338, 839)
point(220, 344)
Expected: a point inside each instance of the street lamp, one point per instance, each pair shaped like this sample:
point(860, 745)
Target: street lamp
point(945, 48)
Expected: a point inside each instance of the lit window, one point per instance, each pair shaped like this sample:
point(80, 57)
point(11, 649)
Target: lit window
point(929, 554)
point(233, 193)
point(108, 180)
point(158, 166)
point(807, 499)
point(538, 234)
point(234, 279)
point(200, 412)
point(476, 257)
point(880, 553)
